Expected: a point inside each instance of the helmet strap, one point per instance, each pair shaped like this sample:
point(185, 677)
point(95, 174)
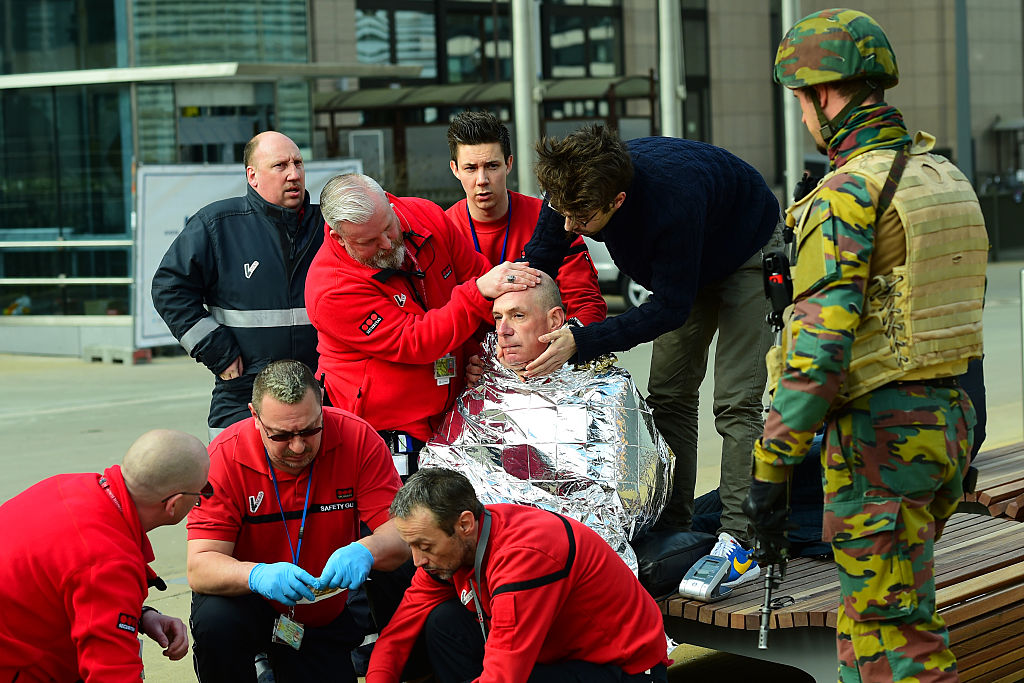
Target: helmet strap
point(829, 127)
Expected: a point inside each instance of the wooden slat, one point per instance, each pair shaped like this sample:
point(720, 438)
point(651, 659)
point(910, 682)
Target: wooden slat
point(987, 661)
point(1000, 486)
point(974, 608)
point(1015, 509)
point(985, 641)
point(994, 619)
point(1007, 674)
point(979, 585)
point(1005, 490)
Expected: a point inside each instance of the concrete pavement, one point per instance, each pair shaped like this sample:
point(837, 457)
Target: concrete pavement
point(65, 415)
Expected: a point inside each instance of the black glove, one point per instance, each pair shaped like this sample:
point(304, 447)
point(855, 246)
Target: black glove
point(767, 508)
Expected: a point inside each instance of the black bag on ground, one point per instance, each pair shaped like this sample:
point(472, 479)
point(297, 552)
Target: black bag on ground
point(663, 558)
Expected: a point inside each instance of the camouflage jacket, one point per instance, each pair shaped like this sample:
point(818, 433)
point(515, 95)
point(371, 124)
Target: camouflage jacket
point(826, 315)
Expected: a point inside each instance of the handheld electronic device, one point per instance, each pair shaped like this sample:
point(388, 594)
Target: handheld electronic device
point(704, 579)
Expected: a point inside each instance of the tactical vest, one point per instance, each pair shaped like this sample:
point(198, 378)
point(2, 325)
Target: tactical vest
point(921, 319)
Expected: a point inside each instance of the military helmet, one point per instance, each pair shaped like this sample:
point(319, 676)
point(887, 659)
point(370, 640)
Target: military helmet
point(835, 45)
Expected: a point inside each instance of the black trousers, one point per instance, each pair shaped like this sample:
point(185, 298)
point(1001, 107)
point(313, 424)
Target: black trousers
point(228, 632)
point(455, 645)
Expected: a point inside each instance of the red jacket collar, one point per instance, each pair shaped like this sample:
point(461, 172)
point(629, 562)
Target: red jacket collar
point(112, 481)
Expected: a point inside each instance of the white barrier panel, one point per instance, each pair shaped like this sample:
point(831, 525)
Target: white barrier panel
point(167, 195)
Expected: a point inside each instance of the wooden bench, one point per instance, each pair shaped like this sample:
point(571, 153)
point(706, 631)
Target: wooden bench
point(1000, 488)
point(979, 571)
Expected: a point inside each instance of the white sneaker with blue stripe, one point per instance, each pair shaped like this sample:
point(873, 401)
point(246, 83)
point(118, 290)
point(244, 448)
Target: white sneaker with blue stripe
point(742, 567)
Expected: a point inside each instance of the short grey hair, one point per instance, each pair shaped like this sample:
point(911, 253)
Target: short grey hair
point(286, 381)
point(351, 197)
point(548, 295)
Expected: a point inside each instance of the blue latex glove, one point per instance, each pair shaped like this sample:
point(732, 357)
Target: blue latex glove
point(281, 581)
point(347, 567)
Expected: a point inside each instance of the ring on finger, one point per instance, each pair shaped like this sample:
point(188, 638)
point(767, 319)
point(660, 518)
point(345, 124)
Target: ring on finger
point(510, 278)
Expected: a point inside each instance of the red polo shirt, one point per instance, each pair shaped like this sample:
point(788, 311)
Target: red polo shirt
point(354, 479)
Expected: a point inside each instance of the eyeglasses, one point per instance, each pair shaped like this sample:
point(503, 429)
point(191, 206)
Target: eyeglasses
point(285, 437)
point(207, 493)
point(576, 221)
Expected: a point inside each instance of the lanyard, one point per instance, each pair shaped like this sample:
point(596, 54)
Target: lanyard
point(416, 285)
point(305, 508)
point(481, 548)
point(508, 224)
point(105, 485)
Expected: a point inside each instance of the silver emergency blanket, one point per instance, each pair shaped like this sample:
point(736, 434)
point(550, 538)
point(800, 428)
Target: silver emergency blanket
point(579, 442)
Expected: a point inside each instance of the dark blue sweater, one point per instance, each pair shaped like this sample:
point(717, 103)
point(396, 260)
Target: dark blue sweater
point(693, 214)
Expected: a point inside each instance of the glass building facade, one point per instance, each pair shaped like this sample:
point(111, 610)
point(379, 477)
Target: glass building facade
point(67, 153)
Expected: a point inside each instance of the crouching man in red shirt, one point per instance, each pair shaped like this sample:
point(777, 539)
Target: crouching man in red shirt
point(509, 593)
point(75, 564)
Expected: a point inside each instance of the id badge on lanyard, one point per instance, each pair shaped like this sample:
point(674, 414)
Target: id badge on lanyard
point(288, 631)
point(444, 369)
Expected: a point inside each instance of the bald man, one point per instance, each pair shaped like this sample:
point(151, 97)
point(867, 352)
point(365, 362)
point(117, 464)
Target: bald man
point(521, 317)
point(231, 286)
point(74, 570)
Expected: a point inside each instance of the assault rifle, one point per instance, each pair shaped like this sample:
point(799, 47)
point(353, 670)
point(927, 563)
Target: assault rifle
point(778, 288)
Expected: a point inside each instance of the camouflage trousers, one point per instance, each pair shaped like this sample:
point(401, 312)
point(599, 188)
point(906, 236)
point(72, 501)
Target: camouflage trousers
point(893, 468)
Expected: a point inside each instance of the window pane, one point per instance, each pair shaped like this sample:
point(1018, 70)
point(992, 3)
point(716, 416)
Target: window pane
point(293, 112)
point(28, 184)
point(67, 299)
point(471, 50)
point(157, 137)
point(604, 47)
point(464, 48)
point(372, 31)
point(57, 35)
point(176, 31)
point(72, 262)
point(568, 50)
point(695, 46)
point(89, 143)
point(414, 39)
point(62, 163)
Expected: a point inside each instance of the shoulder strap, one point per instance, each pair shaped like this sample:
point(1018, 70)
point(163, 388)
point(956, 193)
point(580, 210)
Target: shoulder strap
point(889, 189)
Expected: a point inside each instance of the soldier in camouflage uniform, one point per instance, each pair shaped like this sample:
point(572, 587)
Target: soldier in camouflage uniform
point(890, 251)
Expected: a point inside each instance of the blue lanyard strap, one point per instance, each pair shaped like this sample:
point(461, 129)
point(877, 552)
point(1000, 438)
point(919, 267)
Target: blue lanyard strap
point(508, 224)
point(305, 508)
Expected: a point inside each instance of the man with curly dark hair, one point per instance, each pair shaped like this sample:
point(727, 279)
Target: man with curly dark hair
point(499, 221)
point(688, 221)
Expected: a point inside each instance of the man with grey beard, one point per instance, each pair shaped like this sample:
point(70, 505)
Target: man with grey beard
point(396, 294)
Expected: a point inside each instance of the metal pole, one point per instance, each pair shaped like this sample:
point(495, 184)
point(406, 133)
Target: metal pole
point(964, 149)
point(791, 114)
point(672, 84)
point(524, 90)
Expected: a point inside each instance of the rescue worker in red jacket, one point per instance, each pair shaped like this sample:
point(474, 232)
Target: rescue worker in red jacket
point(509, 593)
point(294, 485)
point(395, 294)
point(74, 569)
point(500, 222)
